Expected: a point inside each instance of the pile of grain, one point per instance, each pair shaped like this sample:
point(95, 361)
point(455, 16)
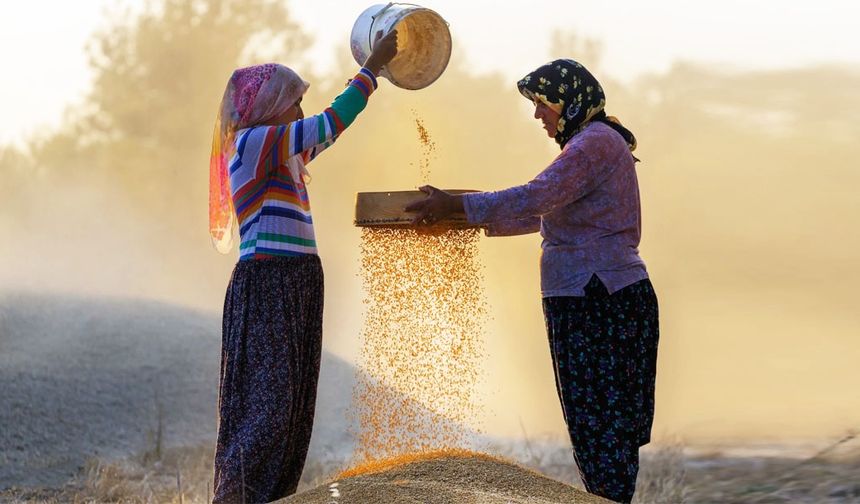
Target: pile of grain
point(441, 478)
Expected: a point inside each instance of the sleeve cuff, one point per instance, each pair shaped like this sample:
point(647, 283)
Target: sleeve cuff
point(367, 73)
point(364, 82)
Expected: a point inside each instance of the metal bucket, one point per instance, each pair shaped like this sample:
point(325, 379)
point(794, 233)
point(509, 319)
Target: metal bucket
point(423, 42)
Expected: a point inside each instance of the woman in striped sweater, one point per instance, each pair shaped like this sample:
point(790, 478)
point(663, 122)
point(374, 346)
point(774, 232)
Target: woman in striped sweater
point(272, 324)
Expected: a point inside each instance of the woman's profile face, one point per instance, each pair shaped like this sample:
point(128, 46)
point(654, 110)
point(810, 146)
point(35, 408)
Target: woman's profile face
point(294, 113)
point(548, 117)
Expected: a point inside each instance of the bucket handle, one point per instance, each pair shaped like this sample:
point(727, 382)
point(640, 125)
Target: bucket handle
point(414, 5)
point(374, 16)
point(372, 20)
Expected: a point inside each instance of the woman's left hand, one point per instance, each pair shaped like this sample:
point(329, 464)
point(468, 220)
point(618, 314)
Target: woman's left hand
point(438, 205)
point(384, 50)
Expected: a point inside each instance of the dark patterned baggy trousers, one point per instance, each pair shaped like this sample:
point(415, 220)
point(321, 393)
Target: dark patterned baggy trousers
point(270, 361)
point(604, 350)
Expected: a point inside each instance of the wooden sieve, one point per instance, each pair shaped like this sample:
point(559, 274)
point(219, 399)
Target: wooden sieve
point(385, 209)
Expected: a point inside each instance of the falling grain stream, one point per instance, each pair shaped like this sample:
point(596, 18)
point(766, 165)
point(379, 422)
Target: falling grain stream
point(421, 342)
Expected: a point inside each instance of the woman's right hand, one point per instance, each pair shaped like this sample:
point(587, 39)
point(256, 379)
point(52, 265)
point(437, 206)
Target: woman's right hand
point(384, 51)
point(438, 205)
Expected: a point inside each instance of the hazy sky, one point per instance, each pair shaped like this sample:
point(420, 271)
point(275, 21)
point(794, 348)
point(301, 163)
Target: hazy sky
point(42, 42)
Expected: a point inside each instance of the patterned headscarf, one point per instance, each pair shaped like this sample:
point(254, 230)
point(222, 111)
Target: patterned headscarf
point(253, 96)
point(570, 90)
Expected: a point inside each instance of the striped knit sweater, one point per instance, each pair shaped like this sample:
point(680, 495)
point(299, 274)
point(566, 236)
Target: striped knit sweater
point(269, 194)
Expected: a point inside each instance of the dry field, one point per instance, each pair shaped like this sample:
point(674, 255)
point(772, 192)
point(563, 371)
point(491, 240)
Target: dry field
point(89, 381)
point(183, 475)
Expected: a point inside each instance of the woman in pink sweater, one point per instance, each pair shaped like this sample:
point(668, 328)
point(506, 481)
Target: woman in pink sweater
point(600, 308)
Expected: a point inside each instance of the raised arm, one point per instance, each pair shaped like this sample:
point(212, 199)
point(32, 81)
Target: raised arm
point(310, 136)
point(314, 134)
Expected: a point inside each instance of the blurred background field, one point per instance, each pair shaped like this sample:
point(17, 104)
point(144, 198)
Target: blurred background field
point(112, 401)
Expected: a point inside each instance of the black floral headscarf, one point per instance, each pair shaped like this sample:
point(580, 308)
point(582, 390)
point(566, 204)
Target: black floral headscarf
point(568, 88)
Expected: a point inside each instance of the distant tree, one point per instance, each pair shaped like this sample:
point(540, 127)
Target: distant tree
point(567, 44)
point(16, 169)
point(158, 78)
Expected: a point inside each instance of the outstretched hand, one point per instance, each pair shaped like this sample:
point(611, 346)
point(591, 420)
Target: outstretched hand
point(438, 205)
point(384, 50)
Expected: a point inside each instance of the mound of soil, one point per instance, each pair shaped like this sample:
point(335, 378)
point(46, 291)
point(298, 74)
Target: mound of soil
point(107, 378)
